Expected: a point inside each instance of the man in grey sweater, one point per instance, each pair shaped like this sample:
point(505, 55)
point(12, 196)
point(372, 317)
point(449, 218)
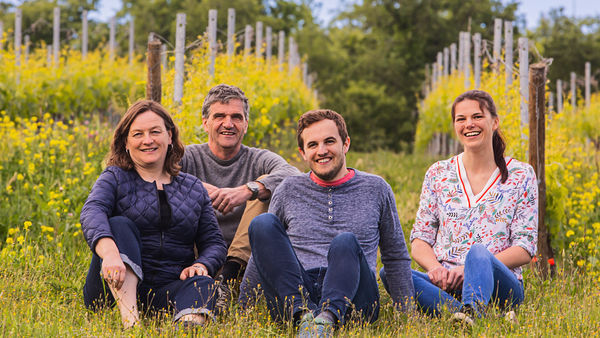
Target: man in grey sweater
point(239, 179)
point(315, 252)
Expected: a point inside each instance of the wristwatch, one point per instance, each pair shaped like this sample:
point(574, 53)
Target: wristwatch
point(254, 188)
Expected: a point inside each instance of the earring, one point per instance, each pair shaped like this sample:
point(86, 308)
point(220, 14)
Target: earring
point(170, 147)
point(127, 151)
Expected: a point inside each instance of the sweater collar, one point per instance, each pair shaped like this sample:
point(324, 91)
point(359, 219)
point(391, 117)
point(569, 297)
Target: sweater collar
point(243, 149)
point(351, 173)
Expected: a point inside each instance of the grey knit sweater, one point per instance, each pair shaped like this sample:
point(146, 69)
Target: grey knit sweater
point(365, 205)
point(246, 166)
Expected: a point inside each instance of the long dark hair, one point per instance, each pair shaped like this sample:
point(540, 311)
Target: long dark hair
point(486, 102)
point(118, 155)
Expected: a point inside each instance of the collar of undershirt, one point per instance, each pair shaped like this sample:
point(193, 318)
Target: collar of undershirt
point(335, 183)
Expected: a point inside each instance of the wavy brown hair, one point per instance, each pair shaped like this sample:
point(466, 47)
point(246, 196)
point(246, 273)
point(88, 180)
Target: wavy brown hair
point(486, 101)
point(118, 155)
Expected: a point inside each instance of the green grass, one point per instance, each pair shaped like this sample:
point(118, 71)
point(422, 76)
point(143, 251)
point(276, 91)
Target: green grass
point(41, 282)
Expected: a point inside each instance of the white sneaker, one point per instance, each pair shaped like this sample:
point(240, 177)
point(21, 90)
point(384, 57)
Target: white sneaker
point(511, 317)
point(462, 319)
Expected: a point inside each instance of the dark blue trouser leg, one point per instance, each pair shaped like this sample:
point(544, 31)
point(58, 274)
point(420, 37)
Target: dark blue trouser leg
point(286, 284)
point(487, 278)
point(127, 238)
point(349, 276)
point(430, 298)
point(194, 295)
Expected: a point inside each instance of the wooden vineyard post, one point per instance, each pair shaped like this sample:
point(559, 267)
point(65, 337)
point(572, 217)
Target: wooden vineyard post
point(179, 58)
point(18, 23)
point(153, 86)
point(559, 98)
point(131, 41)
point(56, 35)
point(452, 58)
point(446, 61)
point(537, 154)
point(111, 37)
point(230, 32)
point(508, 52)
point(281, 50)
point(497, 45)
point(212, 45)
point(477, 59)
point(84, 34)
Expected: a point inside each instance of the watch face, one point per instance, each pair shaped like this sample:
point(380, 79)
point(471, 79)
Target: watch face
point(253, 186)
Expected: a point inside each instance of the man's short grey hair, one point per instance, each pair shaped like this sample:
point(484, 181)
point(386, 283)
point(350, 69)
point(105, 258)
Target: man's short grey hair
point(224, 93)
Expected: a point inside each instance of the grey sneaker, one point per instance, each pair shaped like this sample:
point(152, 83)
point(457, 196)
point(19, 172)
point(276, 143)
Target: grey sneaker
point(223, 296)
point(311, 327)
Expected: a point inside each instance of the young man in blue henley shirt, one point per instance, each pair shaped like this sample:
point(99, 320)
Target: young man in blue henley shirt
point(315, 252)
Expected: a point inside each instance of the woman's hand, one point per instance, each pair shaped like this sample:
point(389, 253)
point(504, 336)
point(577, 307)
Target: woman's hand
point(439, 277)
point(456, 277)
point(113, 268)
point(197, 269)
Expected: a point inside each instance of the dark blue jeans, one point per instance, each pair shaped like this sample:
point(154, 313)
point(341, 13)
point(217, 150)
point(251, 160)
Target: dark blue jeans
point(193, 295)
point(486, 279)
point(347, 284)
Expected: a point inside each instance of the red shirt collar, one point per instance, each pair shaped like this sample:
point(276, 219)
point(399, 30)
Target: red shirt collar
point(335, 183)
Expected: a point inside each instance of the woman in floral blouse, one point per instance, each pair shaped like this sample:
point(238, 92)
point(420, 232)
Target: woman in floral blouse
point(477, 219)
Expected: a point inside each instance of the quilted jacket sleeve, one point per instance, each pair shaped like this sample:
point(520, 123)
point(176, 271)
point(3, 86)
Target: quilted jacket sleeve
point(212, 249)
point(97, 209)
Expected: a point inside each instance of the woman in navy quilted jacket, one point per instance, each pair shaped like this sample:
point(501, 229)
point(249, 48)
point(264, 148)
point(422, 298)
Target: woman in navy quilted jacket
point(142, 220)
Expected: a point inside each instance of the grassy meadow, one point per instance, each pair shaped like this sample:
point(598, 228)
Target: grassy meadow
point(41, 280)
point(51, 157)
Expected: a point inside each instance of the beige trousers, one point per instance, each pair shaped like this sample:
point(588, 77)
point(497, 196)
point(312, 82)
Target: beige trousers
point(239, 250)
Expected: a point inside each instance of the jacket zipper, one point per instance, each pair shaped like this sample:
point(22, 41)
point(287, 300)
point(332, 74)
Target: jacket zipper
point(162, 233)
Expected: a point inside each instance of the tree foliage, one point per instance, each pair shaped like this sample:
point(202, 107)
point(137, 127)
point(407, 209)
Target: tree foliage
point(371, 61)
point(38, 16)
point(570, 42)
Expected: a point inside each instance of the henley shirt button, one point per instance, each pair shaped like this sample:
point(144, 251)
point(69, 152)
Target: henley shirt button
point(330, 202)
point(330, 209)
point(330, 217)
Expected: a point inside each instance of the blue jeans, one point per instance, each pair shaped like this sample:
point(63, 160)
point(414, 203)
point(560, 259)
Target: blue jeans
point(290, 290)
point(485, 279)
point(193, 295)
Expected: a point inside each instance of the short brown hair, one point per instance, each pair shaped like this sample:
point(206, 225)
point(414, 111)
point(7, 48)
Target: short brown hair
point(224, 93)
point(118, 155)
point(317, 115)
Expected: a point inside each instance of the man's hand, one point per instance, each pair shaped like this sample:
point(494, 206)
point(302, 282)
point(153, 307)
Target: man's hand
point(225, 199)
point(209, 187)
point(197, 269)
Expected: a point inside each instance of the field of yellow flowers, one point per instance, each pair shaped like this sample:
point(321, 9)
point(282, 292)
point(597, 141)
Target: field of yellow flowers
point(51, 157)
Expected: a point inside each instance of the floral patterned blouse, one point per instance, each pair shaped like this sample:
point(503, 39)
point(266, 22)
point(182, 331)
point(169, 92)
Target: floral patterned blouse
point(451, 218)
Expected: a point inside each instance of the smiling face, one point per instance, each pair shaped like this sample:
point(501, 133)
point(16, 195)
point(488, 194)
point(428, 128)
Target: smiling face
point(148, 140)
point(226, 126)
point(474, 125)
point(324, 150)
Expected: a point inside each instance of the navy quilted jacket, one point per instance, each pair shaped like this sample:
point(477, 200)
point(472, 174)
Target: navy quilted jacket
point(165, 253)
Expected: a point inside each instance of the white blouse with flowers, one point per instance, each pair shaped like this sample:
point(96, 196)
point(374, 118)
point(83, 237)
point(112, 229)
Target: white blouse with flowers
point(451, 218)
